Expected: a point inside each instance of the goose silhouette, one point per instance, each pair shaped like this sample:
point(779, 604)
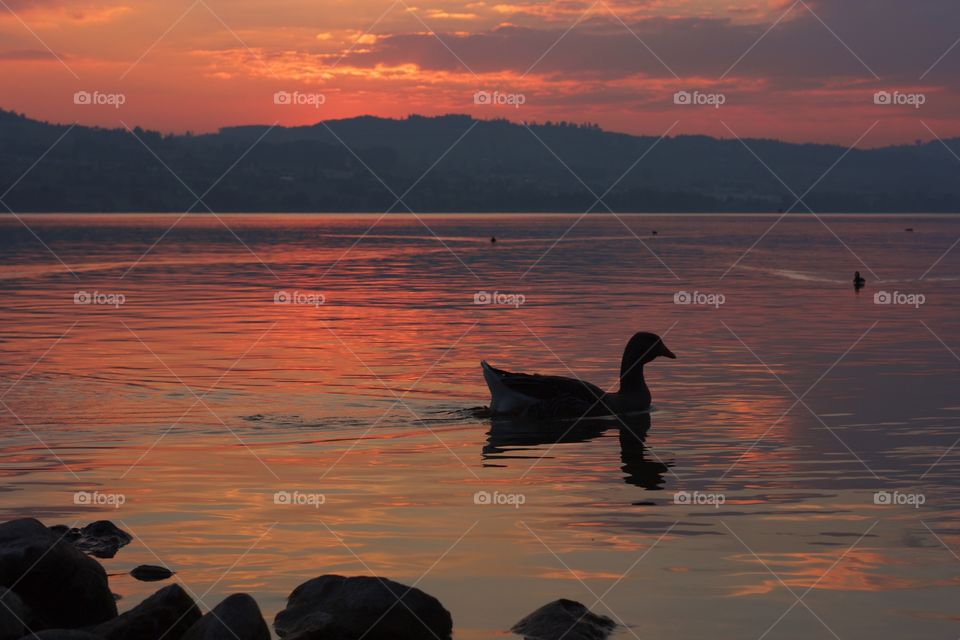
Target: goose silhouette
point(539, 396)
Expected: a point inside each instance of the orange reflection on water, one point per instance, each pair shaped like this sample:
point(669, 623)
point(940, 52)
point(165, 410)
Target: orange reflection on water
point(857, 570)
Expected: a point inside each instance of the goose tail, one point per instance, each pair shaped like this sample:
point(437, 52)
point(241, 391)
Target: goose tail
point(498, 390)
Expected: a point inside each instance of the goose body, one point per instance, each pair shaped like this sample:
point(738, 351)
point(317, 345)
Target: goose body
point(534, 395)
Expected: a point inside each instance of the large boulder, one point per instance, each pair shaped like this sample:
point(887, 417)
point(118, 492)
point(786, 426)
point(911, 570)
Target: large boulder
point(58, 583)
point(236, 618)
point(167, 614)
point(338, 608)
point(14, 616)
point(565, 619)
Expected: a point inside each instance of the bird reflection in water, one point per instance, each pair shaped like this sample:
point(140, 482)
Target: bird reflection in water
point(512, 439)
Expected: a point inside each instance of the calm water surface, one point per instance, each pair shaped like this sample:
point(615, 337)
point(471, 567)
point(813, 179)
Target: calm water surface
point(793, 403)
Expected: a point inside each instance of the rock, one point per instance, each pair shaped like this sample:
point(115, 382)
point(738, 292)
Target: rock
point(62, 634)
point(101, 539)
point(236, 618)
point(565, 619)
point(151, 573)
point(58, 583)
point(14, 615)
point(166, 614)
point(338, 608)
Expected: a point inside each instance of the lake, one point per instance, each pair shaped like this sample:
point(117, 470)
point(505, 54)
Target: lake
point(263, 399)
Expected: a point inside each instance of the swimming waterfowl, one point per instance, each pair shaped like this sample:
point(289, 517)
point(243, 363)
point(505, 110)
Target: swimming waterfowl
point(534, 395)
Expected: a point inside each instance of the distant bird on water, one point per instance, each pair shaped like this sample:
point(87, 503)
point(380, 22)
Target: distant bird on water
point(493, 239)
point(538, 396)
point(858, 281)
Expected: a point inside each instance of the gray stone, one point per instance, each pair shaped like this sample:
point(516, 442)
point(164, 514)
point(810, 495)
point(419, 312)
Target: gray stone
point(151, 573)
point(101, 539)
point(166, 614)
point(338, 608)
point(236, 618)
point(58, 583)
point(565, 619)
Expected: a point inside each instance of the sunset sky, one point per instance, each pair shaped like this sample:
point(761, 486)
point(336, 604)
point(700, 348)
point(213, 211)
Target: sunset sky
point(800, 71)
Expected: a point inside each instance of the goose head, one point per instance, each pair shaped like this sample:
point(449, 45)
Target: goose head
point(643, 347)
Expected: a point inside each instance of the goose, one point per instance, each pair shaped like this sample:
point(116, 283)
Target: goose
point(534, 395)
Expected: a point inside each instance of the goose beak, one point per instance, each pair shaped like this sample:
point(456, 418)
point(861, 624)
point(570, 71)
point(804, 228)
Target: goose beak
point(666, 353)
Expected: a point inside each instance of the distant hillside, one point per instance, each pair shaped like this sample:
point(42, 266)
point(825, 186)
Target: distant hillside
point(497, 166)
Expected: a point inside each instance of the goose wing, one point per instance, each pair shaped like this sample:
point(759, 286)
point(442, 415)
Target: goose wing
point(556, 394)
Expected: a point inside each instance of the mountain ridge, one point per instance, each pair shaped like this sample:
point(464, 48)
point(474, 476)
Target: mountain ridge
point(455, 163)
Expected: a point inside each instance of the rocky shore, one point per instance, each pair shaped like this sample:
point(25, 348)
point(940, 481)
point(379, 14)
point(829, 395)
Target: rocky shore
point(53, 588)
